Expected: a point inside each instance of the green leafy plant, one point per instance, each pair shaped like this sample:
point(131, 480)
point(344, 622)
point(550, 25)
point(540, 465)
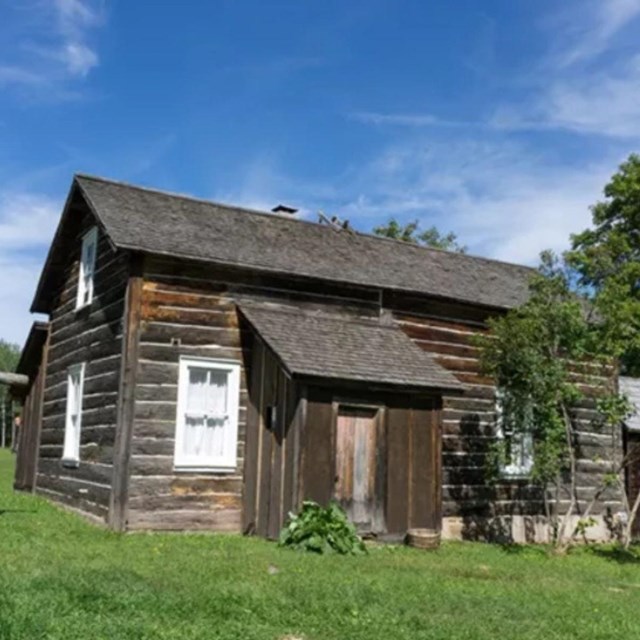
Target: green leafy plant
point(321, 530)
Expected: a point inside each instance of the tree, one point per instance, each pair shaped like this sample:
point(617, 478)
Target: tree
point(607, 260)
point(410, 232)
point(540, 355)
point(9, 356)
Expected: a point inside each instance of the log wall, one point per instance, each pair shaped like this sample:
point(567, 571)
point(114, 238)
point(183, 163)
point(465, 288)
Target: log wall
point(190, 310)
point(92, 335)
point(474, 503)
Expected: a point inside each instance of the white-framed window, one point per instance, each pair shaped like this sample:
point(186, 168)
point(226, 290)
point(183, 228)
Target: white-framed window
point(207, 415)
point(87, 268)
point(518, 447)
point(73, 423)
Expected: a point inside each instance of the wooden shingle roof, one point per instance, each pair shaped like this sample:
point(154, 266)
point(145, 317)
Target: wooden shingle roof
point(156, 222)
point(320, 344)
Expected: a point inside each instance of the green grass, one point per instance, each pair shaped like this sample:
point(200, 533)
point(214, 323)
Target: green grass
point(61, 577)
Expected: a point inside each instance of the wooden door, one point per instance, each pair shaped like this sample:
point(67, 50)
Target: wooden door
point(357, 468)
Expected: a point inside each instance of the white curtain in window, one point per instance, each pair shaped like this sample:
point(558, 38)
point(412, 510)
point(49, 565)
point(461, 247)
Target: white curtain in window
point(71, 449)
point(206, 413)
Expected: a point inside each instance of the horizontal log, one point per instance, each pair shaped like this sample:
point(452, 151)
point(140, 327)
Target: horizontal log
point(190, 335)
point(78, 489)
point(192, 317)
point(89, 471)
point(14, 379)
point(189, 502)
point(169, 353)
point(79, 504)
point(198, 277)
point(94, 352)
point(185, 484)
point(102, 435)
point(225, 520)
point(436, 334)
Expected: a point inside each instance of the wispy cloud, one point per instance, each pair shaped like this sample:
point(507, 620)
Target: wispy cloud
point(54, 49)
point(500, 198)
point(591, 32)
point(590, 81)
point(605, 103)
point(27, 223)
point(420, 120)
point(587, 83)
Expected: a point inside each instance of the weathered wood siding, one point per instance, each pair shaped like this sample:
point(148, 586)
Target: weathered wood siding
point(190, 310)
point(470, 494)
point(29, 434)
point(91, 335)
point(408, 461)
point(272, 452)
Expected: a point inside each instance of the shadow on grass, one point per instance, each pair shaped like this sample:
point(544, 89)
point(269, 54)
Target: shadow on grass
point(617, 554)
point(6, 511)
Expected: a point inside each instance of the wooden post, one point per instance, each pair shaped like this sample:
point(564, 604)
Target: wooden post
point(13, 427)
point(119, 499)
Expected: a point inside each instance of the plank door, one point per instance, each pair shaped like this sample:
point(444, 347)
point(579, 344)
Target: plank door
point(357, 466)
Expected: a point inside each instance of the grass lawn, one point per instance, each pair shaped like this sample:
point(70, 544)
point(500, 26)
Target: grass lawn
point(63, 578)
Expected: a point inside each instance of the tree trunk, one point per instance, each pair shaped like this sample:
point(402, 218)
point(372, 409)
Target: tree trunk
point(628, 530)
point(561, 543)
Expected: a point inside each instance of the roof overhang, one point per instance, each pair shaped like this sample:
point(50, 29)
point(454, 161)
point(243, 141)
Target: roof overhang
point(318, 344)
point(31, 357)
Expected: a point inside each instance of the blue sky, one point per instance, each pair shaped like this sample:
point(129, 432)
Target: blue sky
point(496, 119)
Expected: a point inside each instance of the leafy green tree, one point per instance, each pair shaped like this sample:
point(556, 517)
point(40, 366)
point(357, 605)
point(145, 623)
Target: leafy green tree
point(411, 232)
point(540, 355)
point(607, 259)
point(9, 356)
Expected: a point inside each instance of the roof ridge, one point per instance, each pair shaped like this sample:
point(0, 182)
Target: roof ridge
point(364, 234)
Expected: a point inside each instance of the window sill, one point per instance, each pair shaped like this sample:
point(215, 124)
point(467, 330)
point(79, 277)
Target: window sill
point(515, 475)
point(205, 470)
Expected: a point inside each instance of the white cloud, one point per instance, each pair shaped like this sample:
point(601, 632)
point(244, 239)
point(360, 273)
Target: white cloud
point(407, 119)
point(27, 224)
point(502, 200)
point(590, 32)
point(79, 59)
point(56, 46)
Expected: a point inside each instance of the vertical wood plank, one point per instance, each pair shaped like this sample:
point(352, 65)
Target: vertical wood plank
point(252, 438)
point(38, 413)
point(275, 496)
point(264, 479)
point(397, 470)
point(299, 438)
point(318, 459)
point(436, 440)
point(421, 467)
point(118, 502)
point(292, 434)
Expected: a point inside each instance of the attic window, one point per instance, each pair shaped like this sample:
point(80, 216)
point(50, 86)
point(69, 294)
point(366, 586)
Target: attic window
point(87, 268)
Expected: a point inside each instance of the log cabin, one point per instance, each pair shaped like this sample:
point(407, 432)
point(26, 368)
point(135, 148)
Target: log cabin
point(208, 367)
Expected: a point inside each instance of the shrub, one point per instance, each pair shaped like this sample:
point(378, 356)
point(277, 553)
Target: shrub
point(321, 530)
